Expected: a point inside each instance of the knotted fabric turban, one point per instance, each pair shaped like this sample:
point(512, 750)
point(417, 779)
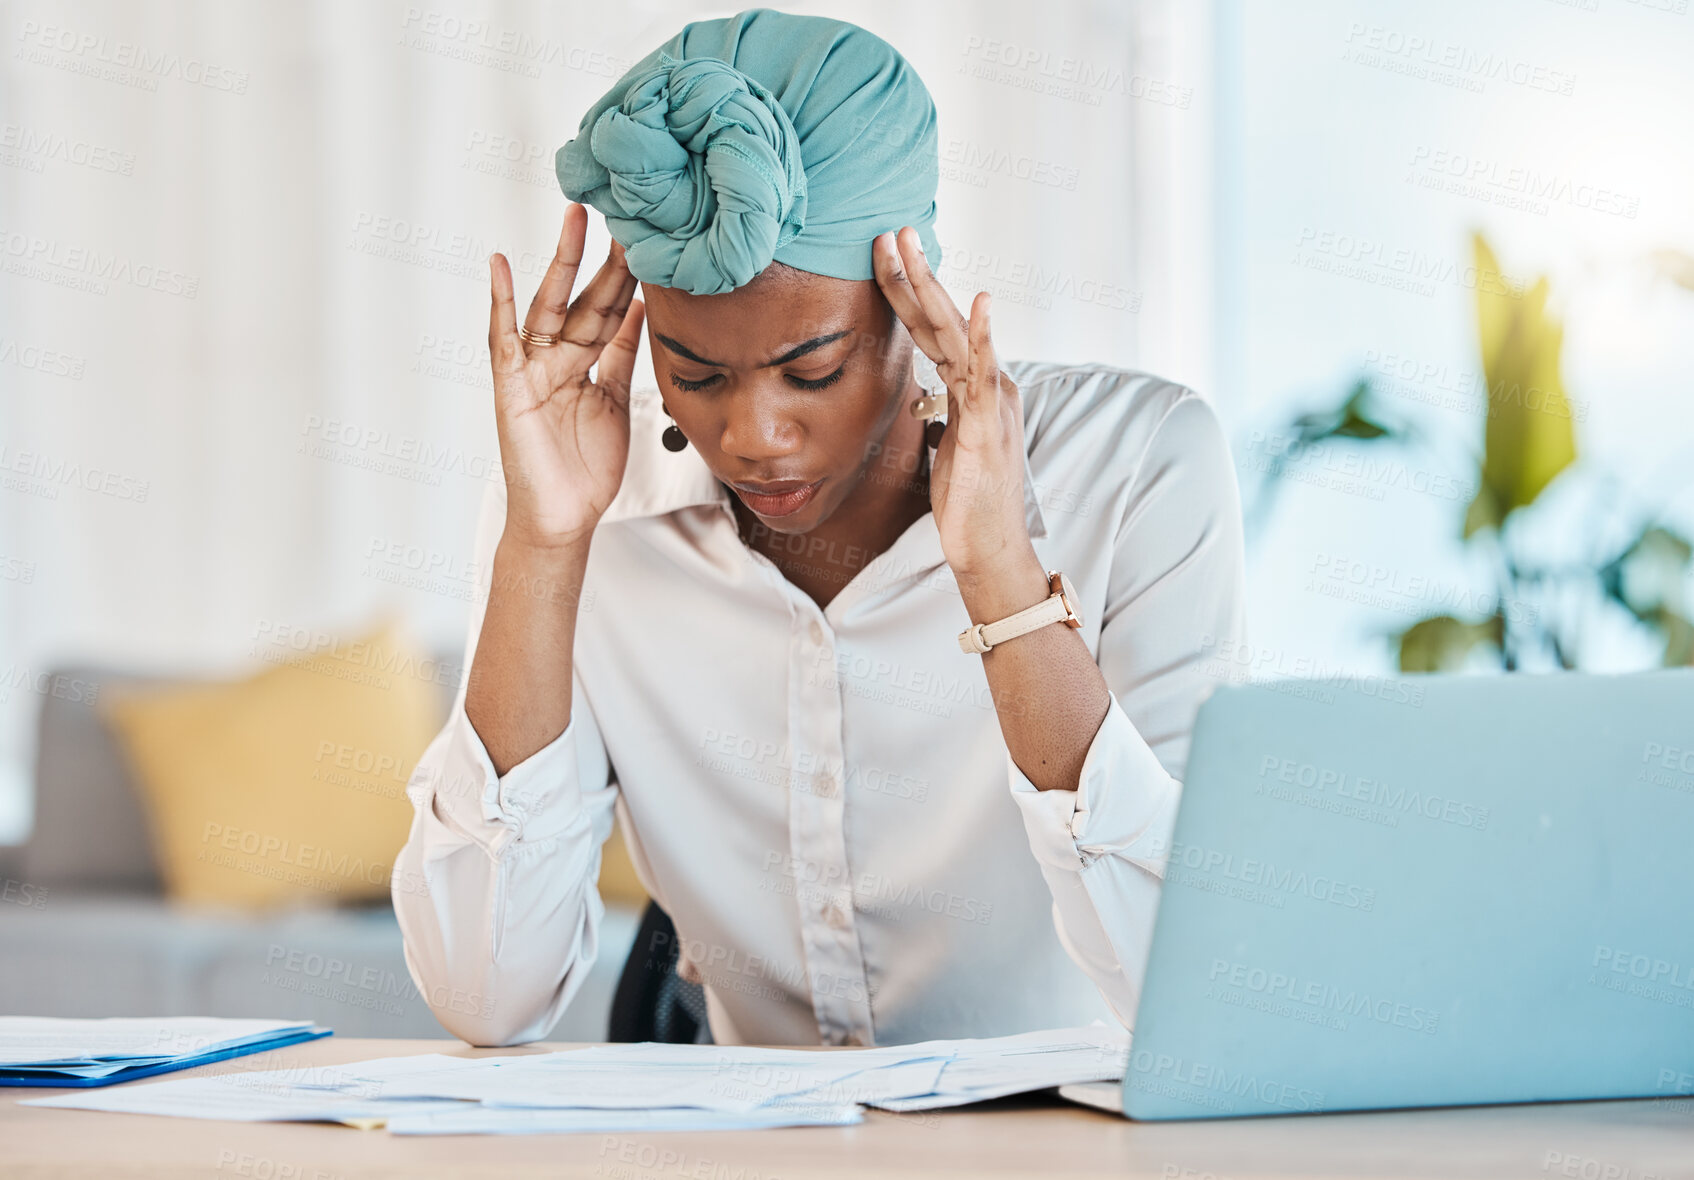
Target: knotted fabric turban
point(758, 136)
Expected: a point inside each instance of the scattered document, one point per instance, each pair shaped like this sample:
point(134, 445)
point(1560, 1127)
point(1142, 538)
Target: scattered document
point(53, 1040)
point(328, 1093)
point(996, 1067)
point(507, 1120)
point(54, 1051)
point(639, 1087)
point(703, 1077)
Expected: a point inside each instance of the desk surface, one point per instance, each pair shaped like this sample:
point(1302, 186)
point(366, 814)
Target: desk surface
point(1035, 1137)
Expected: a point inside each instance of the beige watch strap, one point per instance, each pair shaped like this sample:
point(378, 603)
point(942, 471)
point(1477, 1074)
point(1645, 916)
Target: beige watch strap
point(980, 637)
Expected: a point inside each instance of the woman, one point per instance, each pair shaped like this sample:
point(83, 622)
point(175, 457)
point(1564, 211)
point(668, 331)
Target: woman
point(751, 632)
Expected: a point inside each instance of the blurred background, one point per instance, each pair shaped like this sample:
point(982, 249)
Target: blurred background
point(1433, 263)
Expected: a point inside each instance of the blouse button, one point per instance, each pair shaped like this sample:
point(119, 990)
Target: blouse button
point(816, 632)
point(836, 916)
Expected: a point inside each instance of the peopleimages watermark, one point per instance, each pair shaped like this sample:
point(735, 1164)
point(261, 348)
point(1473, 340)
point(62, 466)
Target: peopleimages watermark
point(767, 760)
point(49, 362)
point(331, 977)
point(506, 157)
point(280, 859)
point(868, 888)
point(360, 660)
point(1213, 1086)
point(1638, 974)
point(17, 569)
point(477, 42)
point(1028, 67)
point(461, 362)
point(266, 1167)
point(32, 149)
point(1450, 387)
point(126, 62)
point(1403, 268)
point(1017, 280)
point(1236, 661)
point(911, 687)
point(1372, 584)
point(1582, 1167)
point(405, 456)
point(87, 268)
point(435, 247)
point(23, 893)
point(1263, 882)
point(1346, 469)
point(1318, 999)
point(727, 968)
point(1667, 766)
point(630, 1159)
point(37, 473)
point(1374, 800)
point(1512, 186)
point(1436, 59)
point(359, 769)
point(58, 685)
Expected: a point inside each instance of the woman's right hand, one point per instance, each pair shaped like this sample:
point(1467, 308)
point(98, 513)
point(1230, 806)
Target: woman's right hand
point(564, 436)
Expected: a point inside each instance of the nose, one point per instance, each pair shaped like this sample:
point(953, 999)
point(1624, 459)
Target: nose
point(758, 428)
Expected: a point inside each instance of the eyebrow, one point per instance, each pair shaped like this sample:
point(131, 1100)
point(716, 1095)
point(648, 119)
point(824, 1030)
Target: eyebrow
point(798, 351)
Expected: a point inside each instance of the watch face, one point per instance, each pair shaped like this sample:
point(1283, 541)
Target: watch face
point(1069, 592)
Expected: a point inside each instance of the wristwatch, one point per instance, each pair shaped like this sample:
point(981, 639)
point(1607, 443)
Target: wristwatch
point(1058, 607)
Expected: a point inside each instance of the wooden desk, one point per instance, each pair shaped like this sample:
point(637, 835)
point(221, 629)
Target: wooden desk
point(1034, 1137)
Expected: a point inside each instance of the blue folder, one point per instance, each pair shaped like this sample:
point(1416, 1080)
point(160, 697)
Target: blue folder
point(46, 1080)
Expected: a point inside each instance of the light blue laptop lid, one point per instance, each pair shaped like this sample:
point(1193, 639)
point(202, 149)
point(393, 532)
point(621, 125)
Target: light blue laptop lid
point(1426, 892)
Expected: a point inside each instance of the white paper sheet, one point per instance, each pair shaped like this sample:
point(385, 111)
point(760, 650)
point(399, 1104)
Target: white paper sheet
point(509, 1120)
point(331, 1093)
point(706, 1077)
point(1001, 1066)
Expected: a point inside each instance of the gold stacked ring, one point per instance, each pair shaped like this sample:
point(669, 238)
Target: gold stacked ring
point(545, 340)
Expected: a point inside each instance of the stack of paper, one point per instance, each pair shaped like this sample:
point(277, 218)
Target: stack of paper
point(995, 1067)
point(642, 1087)
point(53, 1051)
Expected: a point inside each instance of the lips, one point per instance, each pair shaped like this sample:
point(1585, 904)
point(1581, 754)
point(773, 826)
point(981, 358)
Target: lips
point(777, 499)
point(772, 489)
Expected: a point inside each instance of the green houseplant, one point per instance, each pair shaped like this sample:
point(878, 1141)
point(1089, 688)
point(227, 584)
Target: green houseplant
point(1529, 440)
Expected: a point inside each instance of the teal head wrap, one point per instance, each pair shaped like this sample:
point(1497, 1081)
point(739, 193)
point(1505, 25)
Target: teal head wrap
point(754, 137)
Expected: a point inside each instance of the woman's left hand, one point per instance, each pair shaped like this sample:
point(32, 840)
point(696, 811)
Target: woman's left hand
point(976, 481)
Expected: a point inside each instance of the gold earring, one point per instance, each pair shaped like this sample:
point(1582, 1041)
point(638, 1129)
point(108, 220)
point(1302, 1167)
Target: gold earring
point(933, 407)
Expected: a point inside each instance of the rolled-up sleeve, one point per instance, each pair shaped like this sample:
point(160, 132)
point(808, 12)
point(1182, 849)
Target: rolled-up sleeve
point(495, 887)
point(1177, 584)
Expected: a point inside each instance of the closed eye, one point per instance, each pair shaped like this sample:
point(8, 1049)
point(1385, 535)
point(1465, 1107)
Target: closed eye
point(817, 382)
point(798, 382)
point(691, 386)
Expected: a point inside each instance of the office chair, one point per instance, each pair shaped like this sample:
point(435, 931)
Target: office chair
point(652, 1002)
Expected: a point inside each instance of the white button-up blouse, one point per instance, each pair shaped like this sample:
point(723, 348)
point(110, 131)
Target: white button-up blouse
point(822, 799)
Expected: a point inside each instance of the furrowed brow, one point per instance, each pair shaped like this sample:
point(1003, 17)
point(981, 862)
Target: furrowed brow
point(795, 353)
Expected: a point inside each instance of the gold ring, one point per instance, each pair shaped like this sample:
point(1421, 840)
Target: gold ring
point(539, 338)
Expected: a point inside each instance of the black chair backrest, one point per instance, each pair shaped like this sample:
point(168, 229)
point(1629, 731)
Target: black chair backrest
point(653, 1002)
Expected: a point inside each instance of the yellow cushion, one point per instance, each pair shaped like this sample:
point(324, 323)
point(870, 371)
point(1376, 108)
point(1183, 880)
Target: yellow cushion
point(618, 882)
point(289, 786)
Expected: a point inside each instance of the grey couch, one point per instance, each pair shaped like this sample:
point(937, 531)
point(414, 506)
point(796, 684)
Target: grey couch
point(86, 930)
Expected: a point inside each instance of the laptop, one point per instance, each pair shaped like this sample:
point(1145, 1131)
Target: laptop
point(1436, 891)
